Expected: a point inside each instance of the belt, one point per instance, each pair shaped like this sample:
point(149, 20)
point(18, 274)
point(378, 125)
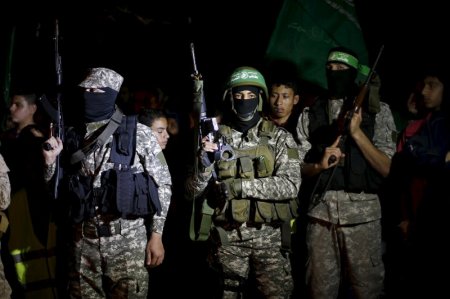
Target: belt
point(92, 229)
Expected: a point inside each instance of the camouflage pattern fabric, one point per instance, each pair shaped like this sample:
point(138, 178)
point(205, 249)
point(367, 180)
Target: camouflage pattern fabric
point(362, 254)
point(284, 182)
point(149, 158)
point(101, 77)
point(121, 256)
point(261, 248)
point(109, 267)
point(5, 186)
point(346, 224)
point(339, 206)
point(249, 246)
point(5, 199)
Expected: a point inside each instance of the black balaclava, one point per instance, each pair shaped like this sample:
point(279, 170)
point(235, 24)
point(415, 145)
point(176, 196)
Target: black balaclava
point(341, 83)
point(99, 106)
point(245, 111)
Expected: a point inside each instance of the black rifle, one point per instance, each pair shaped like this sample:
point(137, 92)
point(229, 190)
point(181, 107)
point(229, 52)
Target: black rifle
point(57, 125)
point(205, 126)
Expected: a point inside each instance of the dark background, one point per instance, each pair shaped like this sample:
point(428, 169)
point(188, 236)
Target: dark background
point(148, 41)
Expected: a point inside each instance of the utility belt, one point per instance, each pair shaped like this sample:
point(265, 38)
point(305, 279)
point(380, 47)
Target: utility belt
point(94, 228)
point(231, 225)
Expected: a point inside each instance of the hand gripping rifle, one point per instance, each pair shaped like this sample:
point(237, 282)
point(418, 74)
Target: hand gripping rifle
point(57, 125)
point(206, 126)
point(200, 227)
point(343, 127)
point(344, 122)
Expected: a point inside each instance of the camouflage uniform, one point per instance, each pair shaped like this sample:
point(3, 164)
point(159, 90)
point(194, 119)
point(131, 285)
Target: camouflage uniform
point(5, 187)
point(346, 225)
point(255, 245)
point(114, 265)
point(5, 198)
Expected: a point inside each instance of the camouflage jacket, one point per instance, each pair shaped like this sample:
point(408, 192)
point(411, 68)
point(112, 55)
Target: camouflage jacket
point(339, 206)
point(5, 187)
point(149, 158)
point(282, 184)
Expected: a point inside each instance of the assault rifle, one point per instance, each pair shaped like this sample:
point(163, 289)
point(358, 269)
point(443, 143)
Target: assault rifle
point(57, 125)
point(344, 123)
point(207, 126)
point(202, 210)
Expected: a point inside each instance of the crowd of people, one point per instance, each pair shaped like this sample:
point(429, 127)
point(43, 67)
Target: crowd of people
point(284, 197)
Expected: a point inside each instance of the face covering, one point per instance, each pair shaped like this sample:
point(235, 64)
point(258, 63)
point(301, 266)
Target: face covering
point(245, 109)
point(341, 83)
point(244, 126)
point(99, 106)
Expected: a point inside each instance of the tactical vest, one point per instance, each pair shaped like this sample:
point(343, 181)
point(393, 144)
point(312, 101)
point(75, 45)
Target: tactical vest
point(123, 192)
point(356, 175)
point(252, 163)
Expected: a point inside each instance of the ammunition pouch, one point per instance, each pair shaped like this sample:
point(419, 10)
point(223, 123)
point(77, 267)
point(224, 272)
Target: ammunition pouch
point(259, 211)
point(129, 194)
point(80, 198)
point(123, 193)
point(255, 162)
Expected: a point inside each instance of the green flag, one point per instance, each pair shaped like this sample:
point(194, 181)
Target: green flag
point(307, 29)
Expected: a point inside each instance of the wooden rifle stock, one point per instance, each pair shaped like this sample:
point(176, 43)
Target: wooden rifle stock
point(357, 103)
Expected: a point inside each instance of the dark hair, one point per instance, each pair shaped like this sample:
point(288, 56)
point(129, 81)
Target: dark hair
point(148, 116)
point(438, 71)
point(283, 72)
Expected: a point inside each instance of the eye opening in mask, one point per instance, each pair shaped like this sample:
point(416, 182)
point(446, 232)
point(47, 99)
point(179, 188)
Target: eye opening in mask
point(95, 90)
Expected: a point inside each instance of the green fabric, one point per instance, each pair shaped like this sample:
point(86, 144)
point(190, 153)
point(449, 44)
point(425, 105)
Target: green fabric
point(307, 29)
point(248, 76)
point(348, 59)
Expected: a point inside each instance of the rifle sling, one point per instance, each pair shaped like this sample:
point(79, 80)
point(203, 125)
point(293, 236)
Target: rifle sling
point(112, 126)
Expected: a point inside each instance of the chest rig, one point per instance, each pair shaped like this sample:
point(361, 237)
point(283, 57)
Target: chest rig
point(253, 163)
point(123, 192)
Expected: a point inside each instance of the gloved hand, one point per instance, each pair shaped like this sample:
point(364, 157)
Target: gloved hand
point(205, 160)
point(231, 188)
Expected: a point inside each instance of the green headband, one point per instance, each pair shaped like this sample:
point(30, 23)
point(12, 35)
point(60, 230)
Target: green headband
point(349, 60)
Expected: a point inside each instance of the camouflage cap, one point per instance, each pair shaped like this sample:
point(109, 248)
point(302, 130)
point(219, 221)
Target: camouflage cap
point(102, 77)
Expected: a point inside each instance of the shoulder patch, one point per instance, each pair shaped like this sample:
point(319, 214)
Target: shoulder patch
point(162, 158)
point(292, 153)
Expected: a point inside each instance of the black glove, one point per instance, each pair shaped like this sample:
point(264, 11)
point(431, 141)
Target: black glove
point(205, 159)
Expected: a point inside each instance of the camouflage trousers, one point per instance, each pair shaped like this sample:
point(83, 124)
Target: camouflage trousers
point(256, 252)
point(109, 261)
point(5, 289)
point(350, 253)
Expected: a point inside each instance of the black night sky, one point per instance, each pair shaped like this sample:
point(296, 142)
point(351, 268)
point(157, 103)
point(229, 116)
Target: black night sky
point(148, 41)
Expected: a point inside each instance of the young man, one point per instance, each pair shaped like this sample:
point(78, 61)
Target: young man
point(343, 236)
point(283, 99)
point(29, 247)
point(157, 120)
point(119, 190)
point(250, 191)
